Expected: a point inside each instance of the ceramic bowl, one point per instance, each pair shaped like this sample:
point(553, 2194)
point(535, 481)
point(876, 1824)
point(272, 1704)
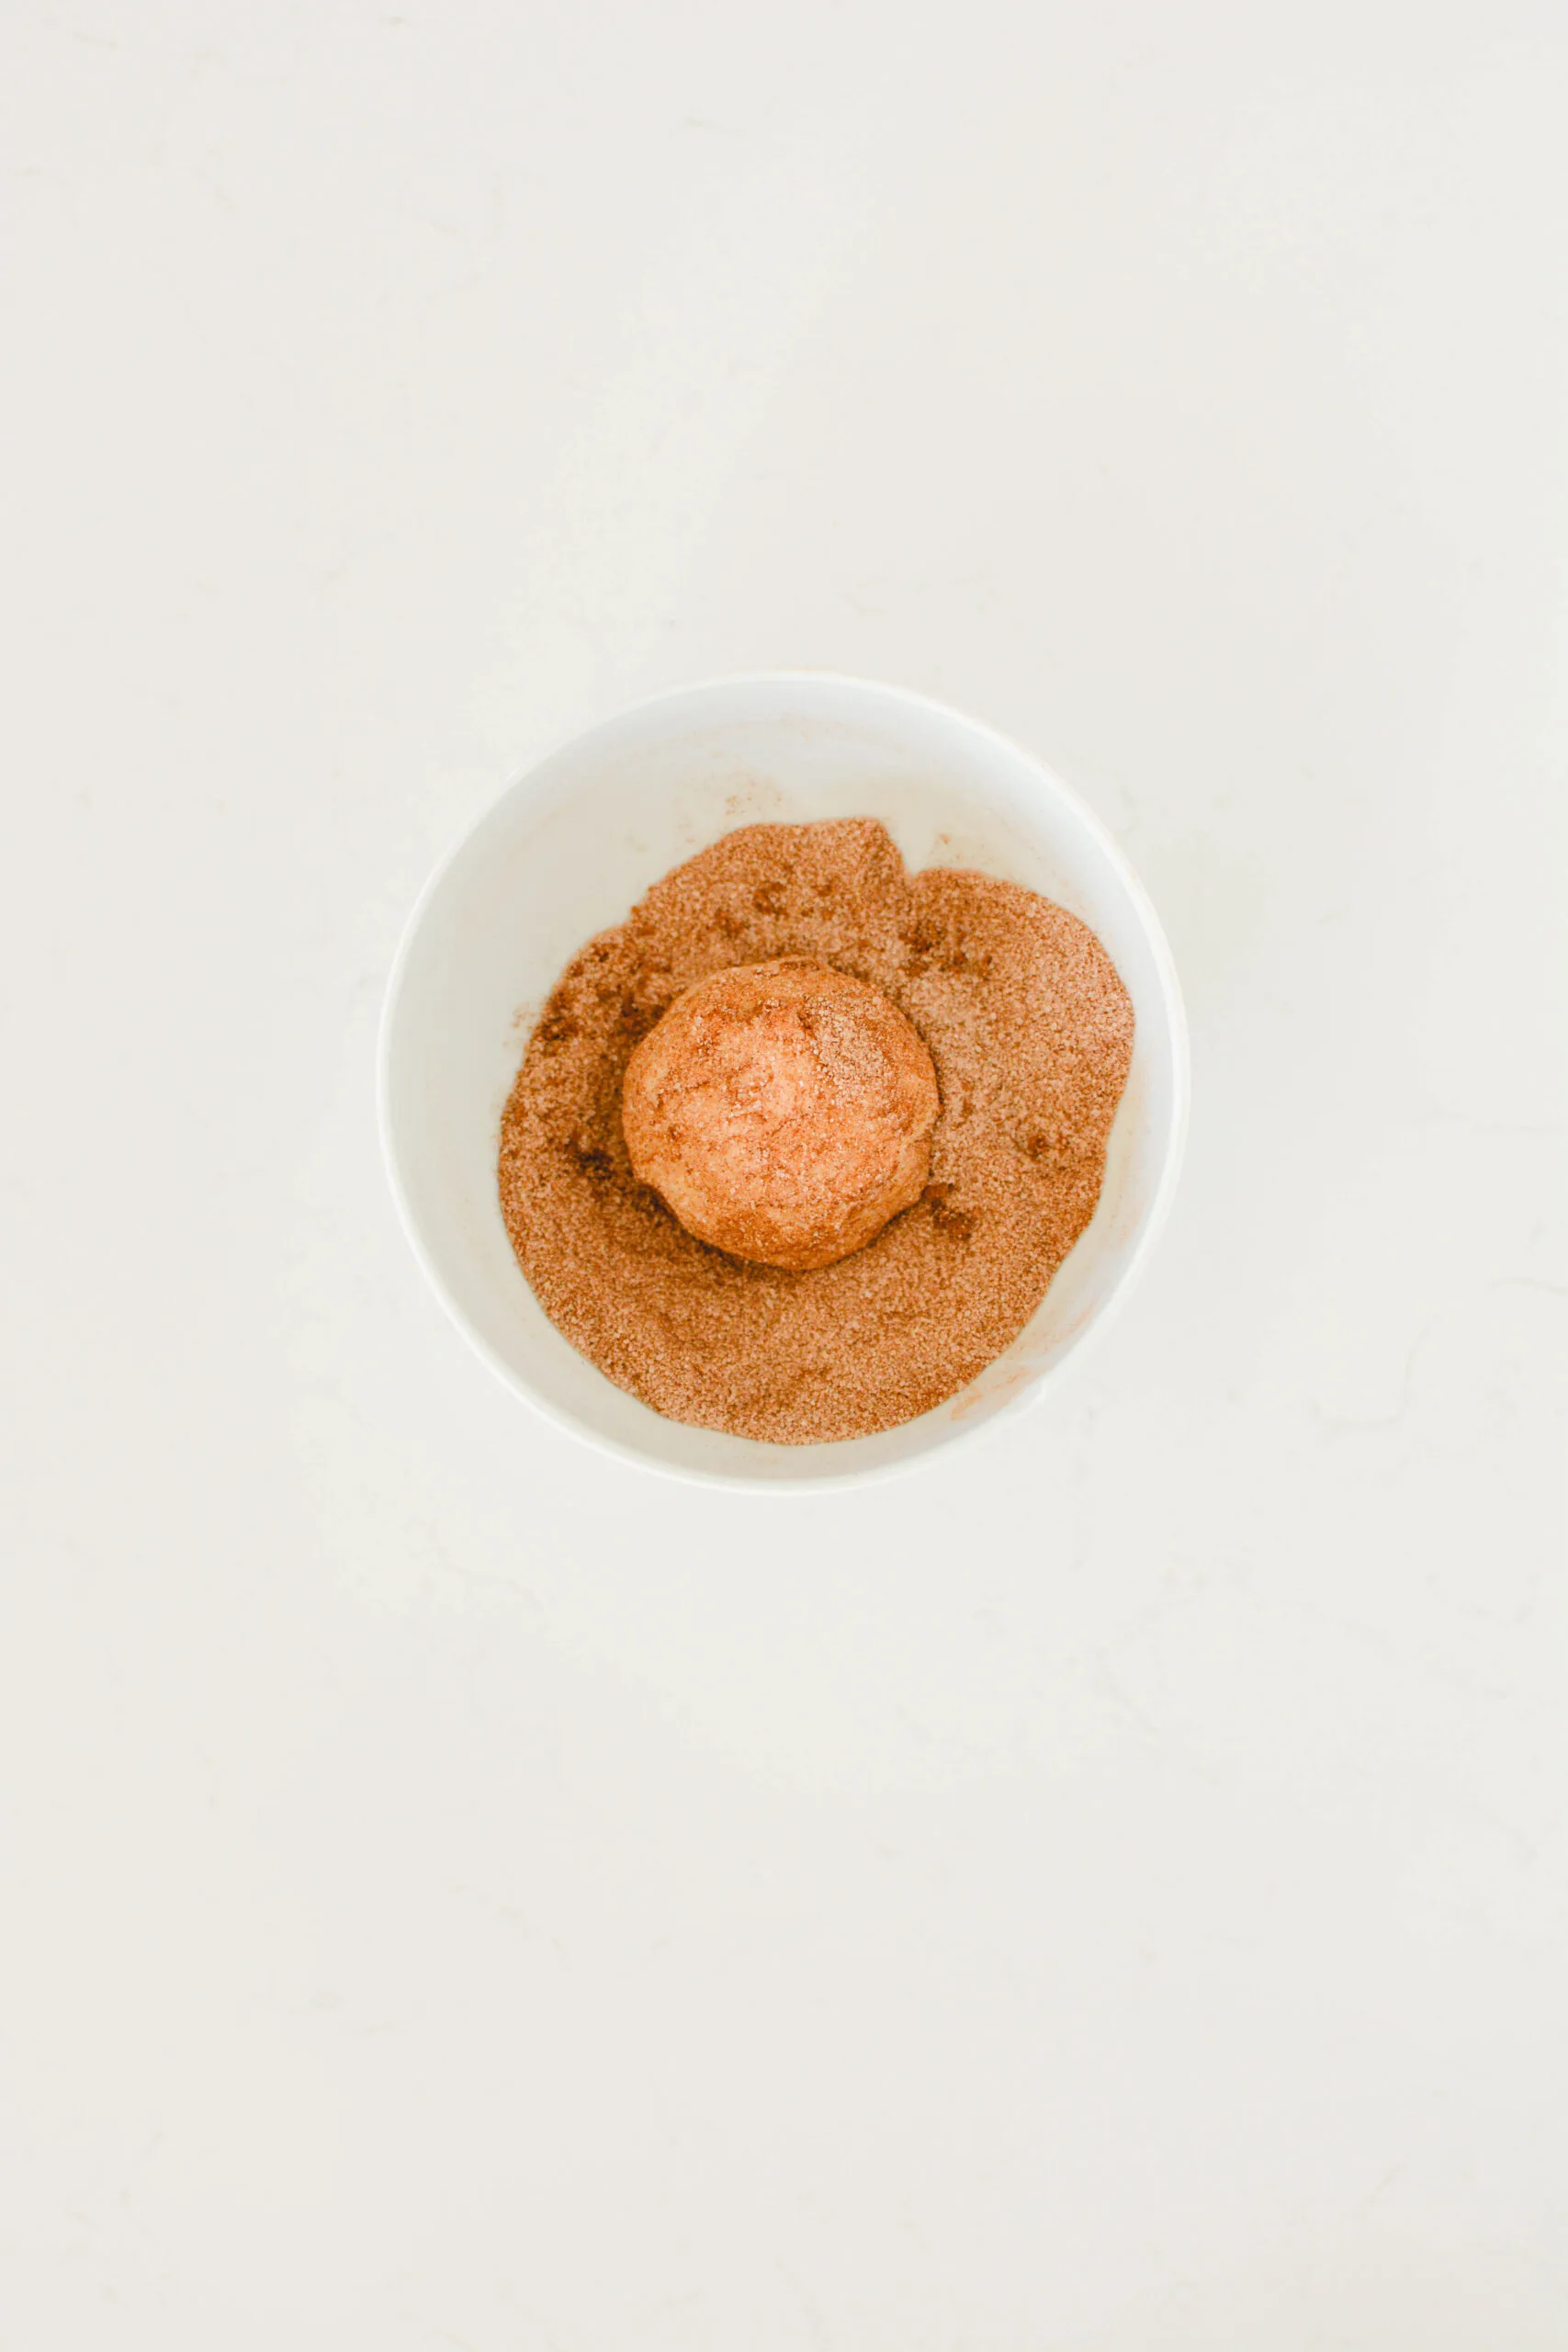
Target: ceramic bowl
point(567, 850)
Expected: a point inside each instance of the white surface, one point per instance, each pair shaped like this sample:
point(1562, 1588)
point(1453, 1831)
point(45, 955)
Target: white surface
point(1099, 1894)
point(575, 841)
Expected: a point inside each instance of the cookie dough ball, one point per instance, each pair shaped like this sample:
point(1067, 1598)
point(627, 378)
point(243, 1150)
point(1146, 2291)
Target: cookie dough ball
point(783, 1111)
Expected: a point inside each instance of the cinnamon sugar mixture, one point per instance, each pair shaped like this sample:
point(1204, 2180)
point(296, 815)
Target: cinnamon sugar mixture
point(1030, 1031)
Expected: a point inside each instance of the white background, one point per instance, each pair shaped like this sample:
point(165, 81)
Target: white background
point(1097, 1893)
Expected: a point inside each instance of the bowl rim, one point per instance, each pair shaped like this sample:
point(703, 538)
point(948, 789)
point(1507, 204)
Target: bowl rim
point(1032, 1392)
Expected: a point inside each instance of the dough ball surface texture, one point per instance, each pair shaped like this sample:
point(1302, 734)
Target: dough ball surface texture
point(783, 1111)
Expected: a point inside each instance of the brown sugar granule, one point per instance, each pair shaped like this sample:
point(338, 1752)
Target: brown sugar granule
point(1030, 1031)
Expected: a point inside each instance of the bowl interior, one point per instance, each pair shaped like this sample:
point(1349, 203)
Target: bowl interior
point(566, 852)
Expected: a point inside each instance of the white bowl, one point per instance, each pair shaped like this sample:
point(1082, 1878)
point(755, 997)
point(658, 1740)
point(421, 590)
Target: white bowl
point(565, 853)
